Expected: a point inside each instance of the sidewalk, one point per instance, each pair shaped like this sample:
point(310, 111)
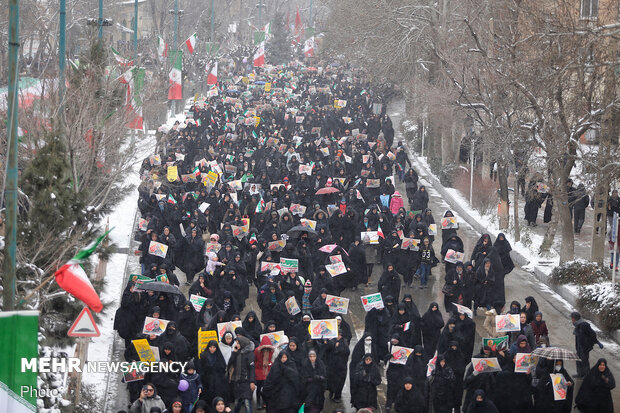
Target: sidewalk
point(523, 256)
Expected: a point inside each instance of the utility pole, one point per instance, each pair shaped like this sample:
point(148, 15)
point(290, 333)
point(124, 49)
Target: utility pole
point(175, 42)
point(135, 33)
point(61, 60)
point(212, 21)
point(10, 249)
point(100, 31)
point(260, 15)
point(310, 19)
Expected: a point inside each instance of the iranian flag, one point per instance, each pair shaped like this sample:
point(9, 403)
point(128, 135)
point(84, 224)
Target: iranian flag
point(162, 48)
point(18, 346)
point(212, 76)
point(309, 47)
point(120, 59)
point(176, 90)
point(191, 43)
point(72, 278)
point(259, 55)
point(380, 232)
point(134, 100)
point(260, 207)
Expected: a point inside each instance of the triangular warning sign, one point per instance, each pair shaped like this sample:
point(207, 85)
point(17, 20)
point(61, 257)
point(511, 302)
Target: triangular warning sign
point(84, 326)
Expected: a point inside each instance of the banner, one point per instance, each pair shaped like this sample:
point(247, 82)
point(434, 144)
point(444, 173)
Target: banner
point(371, 301)
point(370, 237)
point(507, 322)
point(336, 269)
point(339, 305)
point(15, 347)
point(449, 223)
point(203, 339)
point(324, 329)
point(275, 337)
point(277, 246)
point(560, 386)
point(289, 265)
point(525, 362)
point(454, 256)
point(486, 365)
point(158, 249)
point(144, 350)
point(154, 326)
point(400, 354)
point(197, 301)
point(222, 328)
point(291, 306)
point(495, 344)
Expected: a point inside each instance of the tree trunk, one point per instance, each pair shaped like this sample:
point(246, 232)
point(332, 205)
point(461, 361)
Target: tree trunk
point(515, 212)
point(485, 168)
point(560, 199)
point(446, 140)
point(504, 211)
point(547, 242)
point(599, 224)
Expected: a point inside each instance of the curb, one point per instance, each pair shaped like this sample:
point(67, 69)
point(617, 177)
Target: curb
point(517, 257)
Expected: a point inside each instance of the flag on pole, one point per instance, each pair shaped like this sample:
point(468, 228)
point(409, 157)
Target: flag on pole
point(162, 48)
point(126, 77)
point(259, 54)
point(120, 59)
point(72, 278)
point(176, 90)
point(19, 334)
point(407, 326)
point(380, 232)
point(309, 47)
point(191, 43)
point(134, 99)
point(260, 207)
point(299, 30)
point(212, 76)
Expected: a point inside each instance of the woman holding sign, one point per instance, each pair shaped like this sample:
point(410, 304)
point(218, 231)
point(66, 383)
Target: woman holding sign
point(555, 389)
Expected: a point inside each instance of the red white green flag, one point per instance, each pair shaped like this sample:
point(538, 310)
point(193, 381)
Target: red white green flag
point(212, 76)
point(309, 47)
point(134, 99)
point(176, 90)
point(162, 48)
point(120, 59)
point(380, 232)
point(191, 43)
point(259, 55)
point(72, 278)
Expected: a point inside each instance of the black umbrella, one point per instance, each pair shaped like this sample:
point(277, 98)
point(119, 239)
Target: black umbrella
point(296, 232)
point(161, 287)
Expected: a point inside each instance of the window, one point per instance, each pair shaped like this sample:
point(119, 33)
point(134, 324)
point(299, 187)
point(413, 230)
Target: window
point(589, 9)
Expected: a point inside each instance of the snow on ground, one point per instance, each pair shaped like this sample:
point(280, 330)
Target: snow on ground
point(122, 219)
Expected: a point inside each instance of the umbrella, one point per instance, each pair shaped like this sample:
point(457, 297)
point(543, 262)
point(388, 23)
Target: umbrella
point(296, 232)
point(161, 287)
point(259, 82)
point(327, 190)
point(555, 353)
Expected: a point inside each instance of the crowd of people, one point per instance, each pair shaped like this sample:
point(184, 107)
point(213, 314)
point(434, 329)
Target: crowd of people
point(299, 165)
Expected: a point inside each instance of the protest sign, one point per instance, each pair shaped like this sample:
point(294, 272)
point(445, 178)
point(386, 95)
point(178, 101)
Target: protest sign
point(289, 265)
point(291, 306)
point(464, 310)
point(203, 339)
point(158, 249)
point(454, 256)
point(339, 305)
point(400, 354)
point(336, 269)
point(370, 237)
point(449, 223)
point(507, 322)
point(154, 326)
point(144, 350)
point(525, 362)
point(324, 329)
point(222, 328)
point(486, 365)
point(495, 343)
point(197, 301)
point(432, 229)
point(560, 386)
point(275, 337)
point(276, 245)
point(371, 301)
point(308, 223)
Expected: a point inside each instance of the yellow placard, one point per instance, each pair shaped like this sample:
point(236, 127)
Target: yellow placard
point(256, 120)
point(211, 178)
point(144, 350)
point(173, 173)
point(267, 87)
point(203, 339)
point(245, 80)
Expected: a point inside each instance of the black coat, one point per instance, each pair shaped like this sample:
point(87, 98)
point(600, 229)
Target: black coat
point(503, 249)
point(212, 368)
point(389, 284)
point(432, 323)
point(364, 385)
point(314, 380)
point(283, 384)
point(337, 357)
point(410, 401)
point(594, 395)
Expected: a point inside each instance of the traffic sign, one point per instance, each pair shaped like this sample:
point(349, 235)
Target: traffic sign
point(84, 326)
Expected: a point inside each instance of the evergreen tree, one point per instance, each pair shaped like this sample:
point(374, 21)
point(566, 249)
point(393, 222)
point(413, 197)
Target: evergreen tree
point(278, 48)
